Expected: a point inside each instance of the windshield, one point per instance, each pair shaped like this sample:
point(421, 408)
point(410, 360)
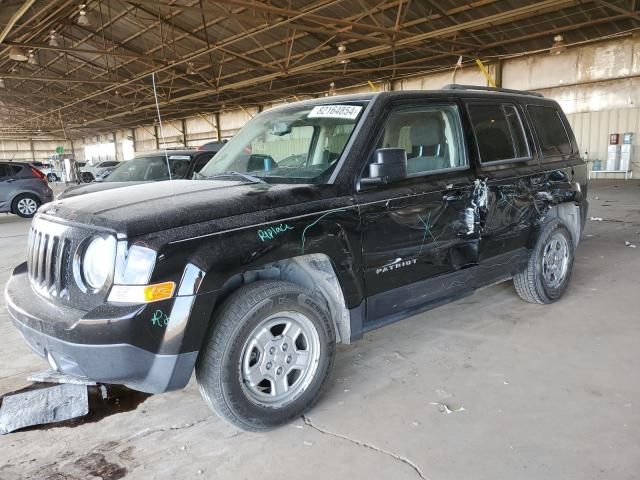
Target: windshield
point(294, 145)
point(147, 169)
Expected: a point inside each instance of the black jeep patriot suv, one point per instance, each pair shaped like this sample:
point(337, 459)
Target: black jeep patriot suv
point(318, 222)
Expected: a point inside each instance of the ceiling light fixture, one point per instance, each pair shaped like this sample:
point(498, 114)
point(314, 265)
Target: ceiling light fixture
point(2, 85)
point(332, 89)
point(32, 59)
point(342, 48)
point(83, 20)
point(558, 45)
point(190, 69)
point(17, 54)
point(53, 39)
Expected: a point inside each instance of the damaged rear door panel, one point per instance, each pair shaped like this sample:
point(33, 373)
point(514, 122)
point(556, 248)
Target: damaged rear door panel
point(507, 161)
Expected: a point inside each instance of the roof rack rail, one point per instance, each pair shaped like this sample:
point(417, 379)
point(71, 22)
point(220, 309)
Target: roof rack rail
point(455, 86)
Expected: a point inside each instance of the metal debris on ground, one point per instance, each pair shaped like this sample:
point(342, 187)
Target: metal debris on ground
point(629, 244)
point(444, 408)
point(42, 406)
point(51, 376)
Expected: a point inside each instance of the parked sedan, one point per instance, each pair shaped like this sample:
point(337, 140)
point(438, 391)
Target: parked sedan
point(88, 173)
point(148, 167)
point(23, 188)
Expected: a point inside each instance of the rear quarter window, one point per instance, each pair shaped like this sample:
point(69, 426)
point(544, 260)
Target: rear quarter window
point(550, 130)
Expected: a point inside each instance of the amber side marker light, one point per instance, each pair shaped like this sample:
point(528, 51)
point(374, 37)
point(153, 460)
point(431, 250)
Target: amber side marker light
point(159, 291)
point(142, 293)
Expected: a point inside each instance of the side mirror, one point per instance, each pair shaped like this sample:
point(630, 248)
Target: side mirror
point(390, 165)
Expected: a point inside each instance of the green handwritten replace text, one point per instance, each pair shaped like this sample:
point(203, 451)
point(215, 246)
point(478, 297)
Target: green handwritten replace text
point(272, 232)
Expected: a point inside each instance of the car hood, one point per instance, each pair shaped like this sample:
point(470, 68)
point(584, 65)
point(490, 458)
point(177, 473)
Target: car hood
point(157, 206)
point(76, 190)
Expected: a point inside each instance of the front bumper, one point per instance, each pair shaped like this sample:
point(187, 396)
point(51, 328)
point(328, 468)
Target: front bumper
point(108, 345)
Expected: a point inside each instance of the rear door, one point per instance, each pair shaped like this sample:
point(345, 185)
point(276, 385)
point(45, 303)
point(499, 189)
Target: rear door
point(508, 164)
point(414, 236)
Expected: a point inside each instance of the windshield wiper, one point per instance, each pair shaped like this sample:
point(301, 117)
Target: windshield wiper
point(246, 176)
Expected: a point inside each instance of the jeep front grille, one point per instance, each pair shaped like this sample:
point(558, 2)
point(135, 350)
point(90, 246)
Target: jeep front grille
point(48, 256)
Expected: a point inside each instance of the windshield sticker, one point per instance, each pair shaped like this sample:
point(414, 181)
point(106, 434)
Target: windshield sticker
point(272, 232)
point(350, 112)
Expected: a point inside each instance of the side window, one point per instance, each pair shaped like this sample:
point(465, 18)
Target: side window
point(201, 162)
point(517, 132)
point(431, 136)
point(552, 134)
point(499, 132)
point(3, 171)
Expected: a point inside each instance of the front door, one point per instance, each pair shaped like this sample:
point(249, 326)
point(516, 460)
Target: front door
point(418, 234)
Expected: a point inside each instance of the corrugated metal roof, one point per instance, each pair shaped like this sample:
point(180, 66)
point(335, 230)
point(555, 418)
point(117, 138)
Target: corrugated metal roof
point(210, 55)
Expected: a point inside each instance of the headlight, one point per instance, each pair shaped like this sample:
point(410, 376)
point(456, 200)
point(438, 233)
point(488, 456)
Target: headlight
point(135, 265)
point(98, 262)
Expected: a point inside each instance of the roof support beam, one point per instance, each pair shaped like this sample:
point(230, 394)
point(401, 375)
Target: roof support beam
point(616, 8)
point(14, 19)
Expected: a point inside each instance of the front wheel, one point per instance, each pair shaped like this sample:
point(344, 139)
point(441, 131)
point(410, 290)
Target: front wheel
point(26, 205)
point(86, 177)
point(52, 177)
point(269, 355)
point(549, 269)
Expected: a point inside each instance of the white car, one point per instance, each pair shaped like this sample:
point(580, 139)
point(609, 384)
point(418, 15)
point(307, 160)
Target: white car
point(88, 173)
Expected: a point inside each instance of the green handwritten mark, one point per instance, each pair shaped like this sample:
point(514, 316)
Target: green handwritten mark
point(160, 319)
point(272, 232)
point(304, 232)
point(427, 231)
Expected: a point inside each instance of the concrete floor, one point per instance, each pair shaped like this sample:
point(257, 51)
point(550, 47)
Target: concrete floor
point(547, 391)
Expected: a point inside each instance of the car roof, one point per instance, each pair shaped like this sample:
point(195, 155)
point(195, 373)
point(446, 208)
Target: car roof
point(449, 91)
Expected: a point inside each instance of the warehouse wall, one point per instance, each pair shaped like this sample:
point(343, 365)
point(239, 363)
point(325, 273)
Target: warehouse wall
point(36, 150)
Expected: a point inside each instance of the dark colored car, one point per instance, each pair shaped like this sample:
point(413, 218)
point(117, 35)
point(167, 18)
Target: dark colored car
point(212, 146)
point(148, 167)
point(23, 188)
point(394, 203)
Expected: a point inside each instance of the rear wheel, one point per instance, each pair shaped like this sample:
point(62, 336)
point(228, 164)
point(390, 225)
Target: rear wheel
point(26, 205)
point(549, 269)
point(269, 355)
point(52, 177)
point(86, 177)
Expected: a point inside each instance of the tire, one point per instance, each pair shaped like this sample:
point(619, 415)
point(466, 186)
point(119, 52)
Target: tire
point(548, 271)
point(248, 337)
point(86, 177)
point(25, 205)
point(52, 177)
